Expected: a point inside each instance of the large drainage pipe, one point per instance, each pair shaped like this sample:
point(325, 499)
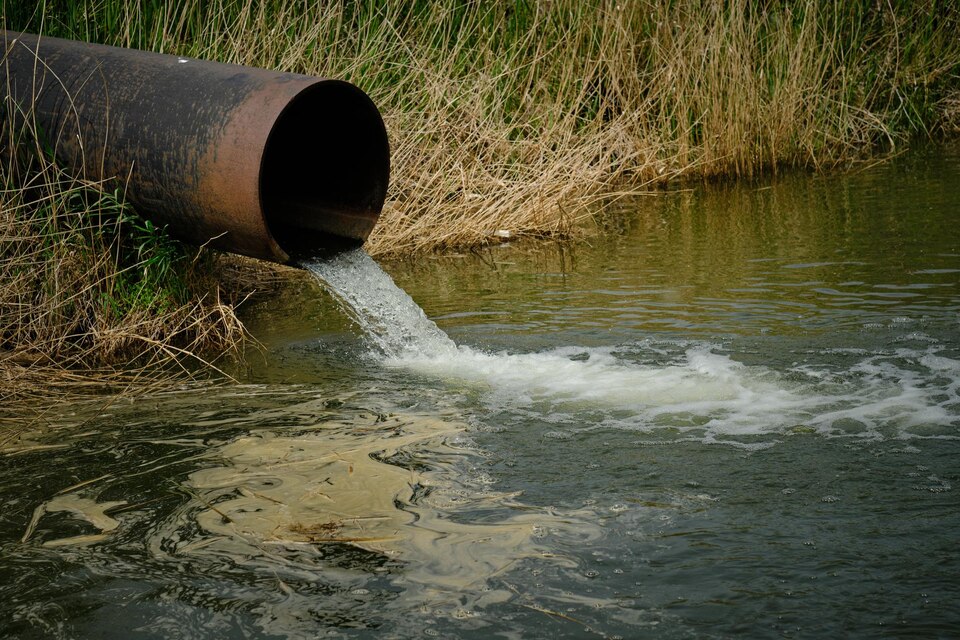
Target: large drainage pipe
point(261, 163)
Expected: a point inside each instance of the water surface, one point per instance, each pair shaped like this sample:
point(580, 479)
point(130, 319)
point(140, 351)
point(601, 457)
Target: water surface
point(731, 411)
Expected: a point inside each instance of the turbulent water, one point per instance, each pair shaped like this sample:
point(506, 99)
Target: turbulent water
point(733, 412)
point(689, 387)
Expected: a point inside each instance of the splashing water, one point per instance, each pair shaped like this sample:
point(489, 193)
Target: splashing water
point(696, 391)
point(390, 318)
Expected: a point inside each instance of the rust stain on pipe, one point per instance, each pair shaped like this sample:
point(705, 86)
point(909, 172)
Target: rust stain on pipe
point(262, 163)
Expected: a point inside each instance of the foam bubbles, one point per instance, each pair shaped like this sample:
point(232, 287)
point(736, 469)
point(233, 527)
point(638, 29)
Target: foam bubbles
point(701, 384)
point(709, 395)
point(693, 389)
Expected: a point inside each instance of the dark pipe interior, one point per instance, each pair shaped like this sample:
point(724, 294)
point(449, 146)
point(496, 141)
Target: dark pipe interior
point(324, 173)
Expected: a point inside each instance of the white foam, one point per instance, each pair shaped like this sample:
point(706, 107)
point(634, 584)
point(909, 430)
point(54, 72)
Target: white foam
point(694, 389)
point(702, 381)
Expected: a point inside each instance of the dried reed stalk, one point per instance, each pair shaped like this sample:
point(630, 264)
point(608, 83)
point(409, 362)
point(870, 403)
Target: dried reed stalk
point(90, 302)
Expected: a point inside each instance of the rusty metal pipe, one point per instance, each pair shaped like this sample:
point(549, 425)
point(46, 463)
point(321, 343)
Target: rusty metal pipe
point(261, 163)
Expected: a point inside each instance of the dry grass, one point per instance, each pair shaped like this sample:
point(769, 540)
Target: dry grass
point(528, 123)
point(949, 109)
point(524, 116)
point(93, 298)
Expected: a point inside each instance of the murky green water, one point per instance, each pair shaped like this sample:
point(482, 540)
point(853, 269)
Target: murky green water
point(735, 412)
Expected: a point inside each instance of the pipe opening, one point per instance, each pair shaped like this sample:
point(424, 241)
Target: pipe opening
point(324, 172)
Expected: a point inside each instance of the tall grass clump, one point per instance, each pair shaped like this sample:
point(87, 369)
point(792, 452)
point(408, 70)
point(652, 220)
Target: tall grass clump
point(93, 296)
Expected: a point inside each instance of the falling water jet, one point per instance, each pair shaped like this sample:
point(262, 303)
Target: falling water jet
point(389, 317)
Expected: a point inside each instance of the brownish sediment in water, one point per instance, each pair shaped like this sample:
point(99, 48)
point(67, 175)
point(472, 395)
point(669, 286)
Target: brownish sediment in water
point(336, 484)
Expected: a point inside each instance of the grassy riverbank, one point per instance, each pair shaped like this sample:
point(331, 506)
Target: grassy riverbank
point(518, 116)
point(92, 292)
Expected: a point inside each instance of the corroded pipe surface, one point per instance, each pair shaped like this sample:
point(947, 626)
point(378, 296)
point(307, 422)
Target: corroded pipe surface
point(262, 163)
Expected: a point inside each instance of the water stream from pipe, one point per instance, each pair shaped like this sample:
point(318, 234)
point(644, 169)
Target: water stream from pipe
point(693, 388)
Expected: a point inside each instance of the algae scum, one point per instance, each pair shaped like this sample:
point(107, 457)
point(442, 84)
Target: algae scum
point(734, 412)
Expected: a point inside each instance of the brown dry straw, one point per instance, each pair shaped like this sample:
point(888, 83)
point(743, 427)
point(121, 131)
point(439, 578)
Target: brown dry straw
point(94, 297)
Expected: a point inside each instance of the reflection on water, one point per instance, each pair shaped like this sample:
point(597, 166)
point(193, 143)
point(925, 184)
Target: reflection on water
point(736, 413)
point(805, 254)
